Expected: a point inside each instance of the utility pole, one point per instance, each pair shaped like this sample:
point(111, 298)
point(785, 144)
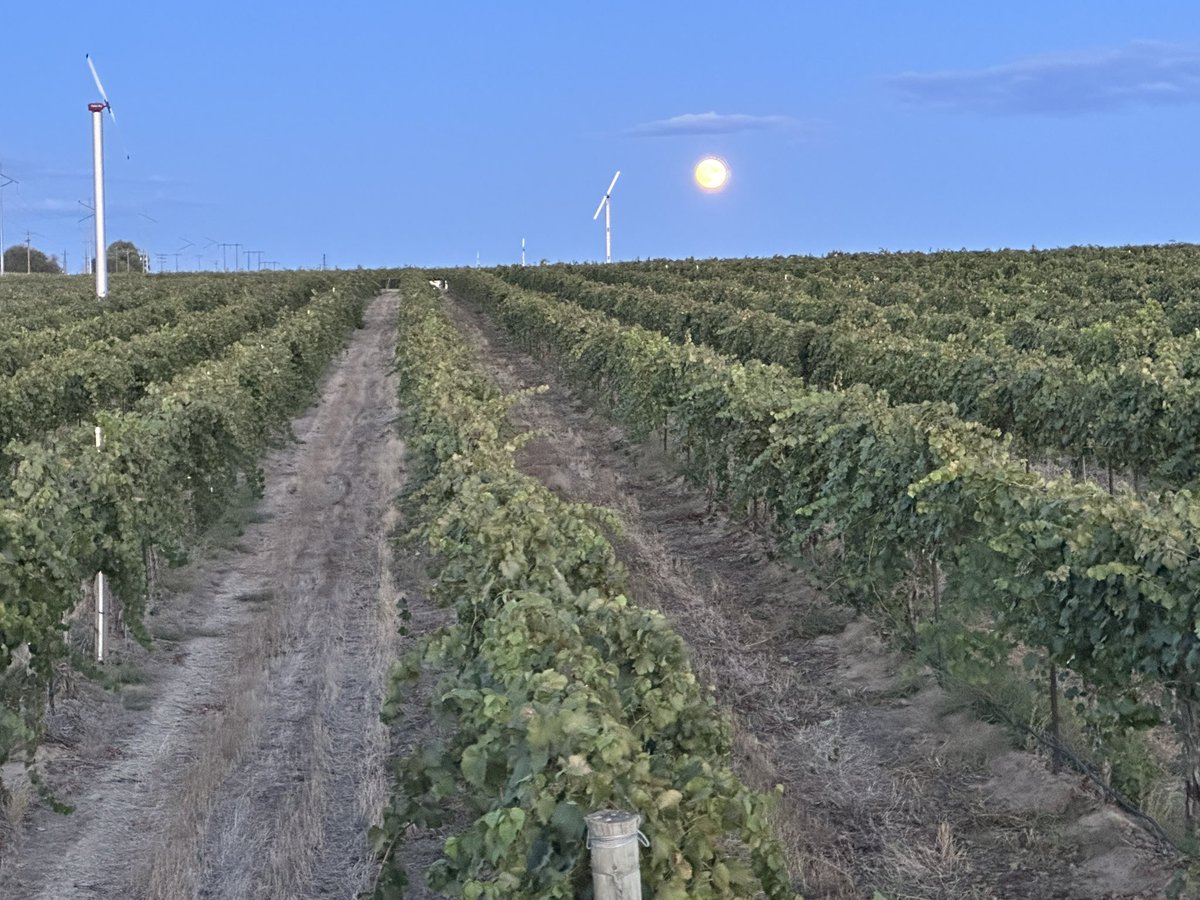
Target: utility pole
point(88, 259)
point(224, 261)
point(237, 252)
point(29, 250)
point(5, 181)
point(179, 252)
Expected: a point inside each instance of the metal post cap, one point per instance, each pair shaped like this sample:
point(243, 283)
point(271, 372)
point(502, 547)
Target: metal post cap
point(613, 828)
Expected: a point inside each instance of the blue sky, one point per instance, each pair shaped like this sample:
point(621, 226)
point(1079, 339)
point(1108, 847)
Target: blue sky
point(403, 133)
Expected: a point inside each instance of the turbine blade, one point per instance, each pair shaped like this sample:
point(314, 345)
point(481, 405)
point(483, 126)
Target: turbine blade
point(96, 78)
point(614, 183)
point(603, 200)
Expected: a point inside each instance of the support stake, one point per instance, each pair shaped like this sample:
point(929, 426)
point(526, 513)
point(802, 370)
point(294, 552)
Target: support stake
point(101, 612)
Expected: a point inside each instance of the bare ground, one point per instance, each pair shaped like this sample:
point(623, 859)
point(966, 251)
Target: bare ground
point(246, 757)
point(888, 787)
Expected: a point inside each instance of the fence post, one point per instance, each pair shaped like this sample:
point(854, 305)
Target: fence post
point(613, 839)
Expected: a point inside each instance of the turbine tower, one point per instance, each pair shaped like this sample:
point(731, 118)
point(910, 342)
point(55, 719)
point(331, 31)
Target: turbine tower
point(97, 111)
point(606, 205)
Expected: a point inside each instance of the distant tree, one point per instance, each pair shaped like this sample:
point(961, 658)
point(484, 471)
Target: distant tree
point(124, 256)
point(19, 258)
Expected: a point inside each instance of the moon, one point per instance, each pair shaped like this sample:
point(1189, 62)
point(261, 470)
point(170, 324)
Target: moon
point(712, 173)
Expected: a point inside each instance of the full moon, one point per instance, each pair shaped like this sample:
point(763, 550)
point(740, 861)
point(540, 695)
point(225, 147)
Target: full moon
point(712, 173)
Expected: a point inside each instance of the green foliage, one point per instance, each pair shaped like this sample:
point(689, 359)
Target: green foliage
point(114, 370)
point(20, 258)
point(124, 256)
point(564, 697)
point(1107, 400)
point(1107, 585)
point(171, 460)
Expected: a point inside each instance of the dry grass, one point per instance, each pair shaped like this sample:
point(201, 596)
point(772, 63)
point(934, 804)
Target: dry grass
point(16, 803)
point(273, 739)
point(172, 870)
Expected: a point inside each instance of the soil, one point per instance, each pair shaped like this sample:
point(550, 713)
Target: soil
point(243, 756)
point(889, 786)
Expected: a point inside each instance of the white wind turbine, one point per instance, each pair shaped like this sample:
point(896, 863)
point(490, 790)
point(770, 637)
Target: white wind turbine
point(97, 111)
point(606, 205)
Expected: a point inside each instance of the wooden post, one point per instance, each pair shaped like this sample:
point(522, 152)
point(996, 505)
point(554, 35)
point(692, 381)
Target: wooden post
point(613, 839)
point(1055, 723)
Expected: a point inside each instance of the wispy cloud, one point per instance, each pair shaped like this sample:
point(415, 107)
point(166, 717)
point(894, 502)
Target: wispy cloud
point(714, 123)
point(1141, 73)
point(54, 205)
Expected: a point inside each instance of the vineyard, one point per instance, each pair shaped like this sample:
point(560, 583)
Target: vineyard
point(943, 525)
point(188, 381)
point(985, 461)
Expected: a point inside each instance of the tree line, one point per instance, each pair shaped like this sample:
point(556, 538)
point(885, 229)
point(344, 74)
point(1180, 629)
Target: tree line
point(123, 256)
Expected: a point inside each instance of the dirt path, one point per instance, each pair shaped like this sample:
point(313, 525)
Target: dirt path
point(248, 761)
point(887, 786)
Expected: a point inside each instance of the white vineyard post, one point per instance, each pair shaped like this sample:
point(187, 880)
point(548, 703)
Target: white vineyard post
point(100, 610)
point(613, 838)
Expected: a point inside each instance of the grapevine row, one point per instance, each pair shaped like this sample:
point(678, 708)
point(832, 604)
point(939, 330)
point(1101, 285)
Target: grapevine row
point(1102, 332)
point(165, 306)
point(113, 373)
point(1142, 419)
point(29, 305)
point(565, 698)
point(1107, 586)
point(1065, 289)
point(167, 468)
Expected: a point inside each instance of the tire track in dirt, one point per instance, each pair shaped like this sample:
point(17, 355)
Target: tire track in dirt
point(257, 764)
point(887, 787)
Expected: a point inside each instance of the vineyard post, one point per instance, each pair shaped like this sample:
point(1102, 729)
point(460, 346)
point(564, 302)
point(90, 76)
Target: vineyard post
point(613, 837)
point(1055, 723)
point(100, 610)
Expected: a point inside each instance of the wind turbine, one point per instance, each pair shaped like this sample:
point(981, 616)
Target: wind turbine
point(606, 205)
point(97, 111)
point(179, 252)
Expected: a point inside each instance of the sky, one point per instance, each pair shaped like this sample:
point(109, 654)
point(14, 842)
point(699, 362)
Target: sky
point(442, 133)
